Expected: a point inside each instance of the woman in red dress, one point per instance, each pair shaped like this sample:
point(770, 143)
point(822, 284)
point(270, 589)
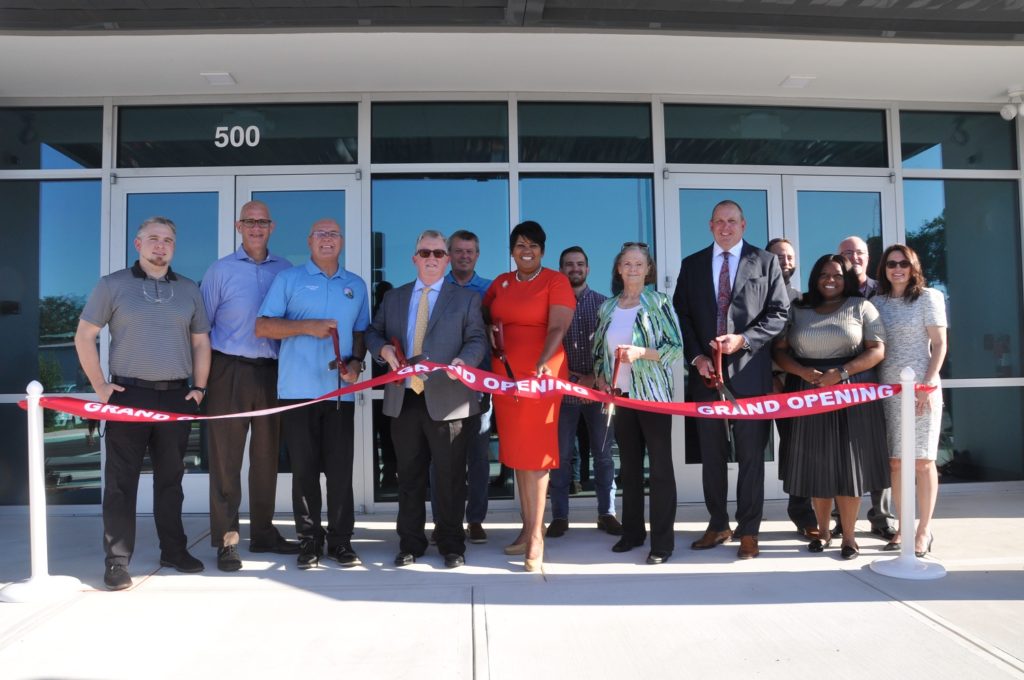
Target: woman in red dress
point(534, 307)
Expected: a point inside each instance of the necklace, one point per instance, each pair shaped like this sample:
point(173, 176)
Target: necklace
point(531, 277)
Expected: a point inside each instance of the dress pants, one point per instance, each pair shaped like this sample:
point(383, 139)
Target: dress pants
point(236, 385)
point(750, 438)
point(127, 445)
point(633, 431)
point(604, 467)
point(419, 443)
point(799, 508)
point(319, 438)
point(478, 467)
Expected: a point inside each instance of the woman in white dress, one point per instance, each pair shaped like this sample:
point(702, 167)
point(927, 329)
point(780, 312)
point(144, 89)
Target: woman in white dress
point(915, 323)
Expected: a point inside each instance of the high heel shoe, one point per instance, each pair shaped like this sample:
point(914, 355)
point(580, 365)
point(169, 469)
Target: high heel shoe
point(515, 549)
point(892, 546)
point(927, 548)
point(535, 563)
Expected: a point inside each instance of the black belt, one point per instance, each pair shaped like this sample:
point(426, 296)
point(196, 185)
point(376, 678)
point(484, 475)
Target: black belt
point(248, 360)
point(159, 385)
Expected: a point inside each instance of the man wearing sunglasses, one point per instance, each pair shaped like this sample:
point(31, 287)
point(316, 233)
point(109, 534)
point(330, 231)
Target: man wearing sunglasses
point(243, 377)
point(883, 522)
point(434, 420)
point(159, 337)
point(305, 308)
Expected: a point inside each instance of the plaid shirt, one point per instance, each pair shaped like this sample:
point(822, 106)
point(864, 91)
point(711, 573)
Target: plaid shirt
point(579, 338)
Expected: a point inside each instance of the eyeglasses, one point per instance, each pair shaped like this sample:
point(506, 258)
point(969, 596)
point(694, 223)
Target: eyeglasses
point(634, 244)
point(437, 252)
point(893, 264)
point(319, 234)
point(850, 253)
point(156, 297)
point(262, 224)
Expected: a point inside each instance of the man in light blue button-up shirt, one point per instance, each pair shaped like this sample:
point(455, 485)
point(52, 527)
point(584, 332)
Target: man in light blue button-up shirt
point(301, 309)
point(243, 377)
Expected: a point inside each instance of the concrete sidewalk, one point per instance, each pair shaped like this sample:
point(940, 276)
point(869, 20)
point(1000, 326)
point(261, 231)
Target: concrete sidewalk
point(591, 614)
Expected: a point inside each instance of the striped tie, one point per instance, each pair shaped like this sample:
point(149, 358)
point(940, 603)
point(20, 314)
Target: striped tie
point(724, 295)
point(422, 316)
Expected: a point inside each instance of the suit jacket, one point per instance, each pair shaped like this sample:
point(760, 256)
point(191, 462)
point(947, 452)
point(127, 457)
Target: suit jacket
point(455, 329)
point(758, 311)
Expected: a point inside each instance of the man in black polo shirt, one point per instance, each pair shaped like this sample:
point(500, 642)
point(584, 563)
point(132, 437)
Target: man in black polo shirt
point(159, 336)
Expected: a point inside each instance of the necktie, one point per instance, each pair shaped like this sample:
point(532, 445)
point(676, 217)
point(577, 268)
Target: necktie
point(422, 316)
point(724, 295)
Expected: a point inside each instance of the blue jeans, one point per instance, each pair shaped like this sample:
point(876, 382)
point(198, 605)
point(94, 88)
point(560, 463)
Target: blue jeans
point(478, 470)
point(600, 451)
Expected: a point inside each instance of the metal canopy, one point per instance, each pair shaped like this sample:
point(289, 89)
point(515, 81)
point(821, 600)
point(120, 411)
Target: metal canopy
point(938, 20)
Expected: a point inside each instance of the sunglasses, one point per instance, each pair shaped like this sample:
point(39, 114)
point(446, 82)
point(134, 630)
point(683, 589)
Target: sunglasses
point(426, 252)
point(901, 264)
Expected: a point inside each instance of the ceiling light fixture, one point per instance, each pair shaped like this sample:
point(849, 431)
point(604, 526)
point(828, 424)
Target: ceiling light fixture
point(1014, 107)
point(219, 78)
point(793, 82)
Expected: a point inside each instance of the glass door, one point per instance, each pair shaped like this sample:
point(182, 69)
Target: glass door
point(689, 200)
point(201, 208)
point(295, 203)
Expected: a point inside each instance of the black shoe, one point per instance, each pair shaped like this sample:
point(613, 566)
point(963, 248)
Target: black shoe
point(557, 528)
point(927, 548)
point(575, 488)
point(452, 560)
point(888, 533)
point(849, 552)
point(344, 555)
point(228, 559)
point(116, 577)
point(817, 545)
point(892, 546)
point(609, 524)
point(404, 559)
point(182, 562)
point(624, 545)
point(658, 557)
point(310, 552)
point(281, 546)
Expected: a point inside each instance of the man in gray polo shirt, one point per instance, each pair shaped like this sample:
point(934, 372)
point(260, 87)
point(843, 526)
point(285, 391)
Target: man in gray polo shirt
point(159, 336)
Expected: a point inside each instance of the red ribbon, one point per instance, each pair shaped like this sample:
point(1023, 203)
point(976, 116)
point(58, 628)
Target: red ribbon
point(768, 407)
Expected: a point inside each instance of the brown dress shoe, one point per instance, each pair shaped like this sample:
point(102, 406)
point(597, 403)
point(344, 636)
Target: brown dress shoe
point(809, 533)
point(748, 548)
point(711, 538)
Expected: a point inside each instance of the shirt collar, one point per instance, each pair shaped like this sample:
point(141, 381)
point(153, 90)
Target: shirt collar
point(735, 251)
point(473, 281)
point(240, 254)
point(313, 270)
point(419, 285)
point(139, 273)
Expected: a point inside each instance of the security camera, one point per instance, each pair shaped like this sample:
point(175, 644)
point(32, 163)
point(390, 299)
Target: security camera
point(1008, 111)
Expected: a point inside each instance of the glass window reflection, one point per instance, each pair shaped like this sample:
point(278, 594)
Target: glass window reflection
point(575, 132)
point(828, 217)
point(599, 213)
point(440, 132)
point(978, 220)
point(195, 215)
point(970, 448)
point(294, 212)
point(696, 205)
point(940, 139)
point(51, 138)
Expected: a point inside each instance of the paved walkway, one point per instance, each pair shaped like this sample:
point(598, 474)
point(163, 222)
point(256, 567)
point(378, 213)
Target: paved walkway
point(591, 614)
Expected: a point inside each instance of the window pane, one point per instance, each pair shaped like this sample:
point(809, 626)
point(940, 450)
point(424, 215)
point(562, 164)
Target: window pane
point(261, 134)
point(756, 135)
point(294, 213)
point(552, 132)
point(978, 221)
point(440, 132)
point(828, 217)
point(970, 448)
point(695, 206)
point(977, 141)
point(195, 217)
point(49, 263)
point(51, 139)
point(598, 213)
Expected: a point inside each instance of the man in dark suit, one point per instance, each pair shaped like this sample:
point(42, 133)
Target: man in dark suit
point(432, 418)
point(731, 297)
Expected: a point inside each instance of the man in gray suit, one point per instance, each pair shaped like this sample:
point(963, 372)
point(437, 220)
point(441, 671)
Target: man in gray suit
point(431, 417)
point(731, 297)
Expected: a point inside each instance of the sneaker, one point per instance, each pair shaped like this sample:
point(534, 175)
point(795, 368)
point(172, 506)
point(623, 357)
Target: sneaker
point(182, 562)
point(344, 555)
point(116, 577)
point(228, 559)
point(609, 524)
point(475, 533)
point(310, 550)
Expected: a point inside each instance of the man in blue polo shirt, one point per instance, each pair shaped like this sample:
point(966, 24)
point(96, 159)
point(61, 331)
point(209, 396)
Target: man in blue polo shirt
point(302, 307)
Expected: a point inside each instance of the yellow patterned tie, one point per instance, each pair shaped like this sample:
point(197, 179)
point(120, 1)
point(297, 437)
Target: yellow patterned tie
point(422, 316)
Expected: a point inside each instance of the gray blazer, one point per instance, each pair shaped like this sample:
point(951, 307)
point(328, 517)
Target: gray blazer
point(758, 310)
point(455, 329)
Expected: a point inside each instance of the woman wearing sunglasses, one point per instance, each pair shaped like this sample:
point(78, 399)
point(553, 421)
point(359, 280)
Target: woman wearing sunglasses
point(915, 323)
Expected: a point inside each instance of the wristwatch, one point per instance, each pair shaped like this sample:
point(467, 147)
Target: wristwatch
point(843, 373)
point(362, 364)
point(197, 389)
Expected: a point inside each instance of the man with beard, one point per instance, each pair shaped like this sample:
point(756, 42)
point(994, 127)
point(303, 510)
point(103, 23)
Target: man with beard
point(577, 342)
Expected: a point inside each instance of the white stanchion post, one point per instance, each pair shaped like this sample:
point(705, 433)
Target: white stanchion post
point(40, 586)
point(907, 565)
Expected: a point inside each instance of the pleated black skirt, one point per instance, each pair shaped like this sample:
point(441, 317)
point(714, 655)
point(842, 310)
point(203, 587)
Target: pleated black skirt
point(840, 453)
